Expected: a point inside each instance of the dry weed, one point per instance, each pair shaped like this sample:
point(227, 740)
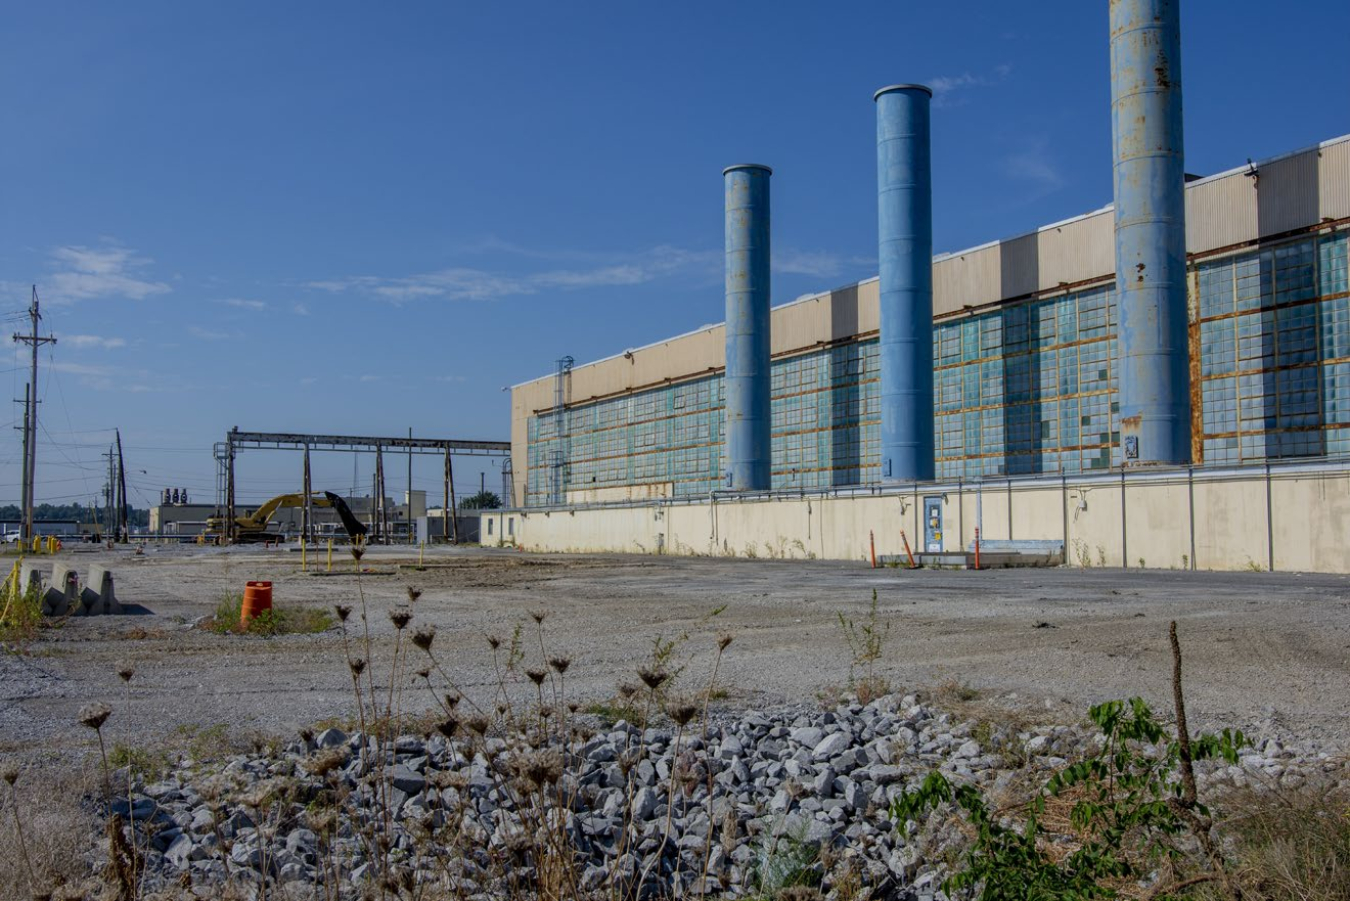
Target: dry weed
point(58, 832)
point(1291, 844)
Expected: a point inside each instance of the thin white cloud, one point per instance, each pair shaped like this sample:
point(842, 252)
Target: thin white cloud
point(950, 90)
point(817, 263)
point(1033, 162)
point(244, 304)
point(109, 378)
point(208, 334)
point(467, 283)
point(86, 273)
point(371, 378)
point(300, 309)
point(86, 341)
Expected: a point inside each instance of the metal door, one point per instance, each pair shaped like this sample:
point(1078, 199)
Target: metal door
point(932, 525)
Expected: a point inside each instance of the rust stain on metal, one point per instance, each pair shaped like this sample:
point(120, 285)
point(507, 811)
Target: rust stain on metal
point(1160, 72)
point(1197, 386)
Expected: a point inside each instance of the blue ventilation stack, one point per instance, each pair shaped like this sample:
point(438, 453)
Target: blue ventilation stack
point(905, 233)
point(748, 435)
point(1150, 184)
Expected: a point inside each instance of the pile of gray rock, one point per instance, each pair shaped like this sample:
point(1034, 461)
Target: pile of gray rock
point(758, 801)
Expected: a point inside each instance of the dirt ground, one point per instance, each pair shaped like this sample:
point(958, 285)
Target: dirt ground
point(1269, 653)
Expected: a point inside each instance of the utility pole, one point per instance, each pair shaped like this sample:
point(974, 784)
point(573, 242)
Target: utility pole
point(382, 521)
point(34, 341)
point(23, 479)
point(109, 523)
point(412, 535)
point(307, 527)
point(123, 518)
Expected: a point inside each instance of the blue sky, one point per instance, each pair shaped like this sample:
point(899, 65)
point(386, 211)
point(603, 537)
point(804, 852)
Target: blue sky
point(358, 218)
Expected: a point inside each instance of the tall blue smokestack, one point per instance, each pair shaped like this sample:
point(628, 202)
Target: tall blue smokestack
point(905, 231)
point(748, 426)
point(1153, 373)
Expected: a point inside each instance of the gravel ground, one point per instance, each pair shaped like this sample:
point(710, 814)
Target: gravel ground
point(1269, 653)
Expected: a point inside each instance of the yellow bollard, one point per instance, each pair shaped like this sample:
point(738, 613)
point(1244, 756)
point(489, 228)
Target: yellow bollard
point(37, 545)
point(51, 544)
point(304, 564)
point(330, 555)
point(421, 546)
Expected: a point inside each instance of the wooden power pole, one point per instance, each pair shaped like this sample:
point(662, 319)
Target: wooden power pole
point(34, 341)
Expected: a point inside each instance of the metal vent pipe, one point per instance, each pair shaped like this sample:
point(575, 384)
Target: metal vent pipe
point(1153, 368)
point(747, 438)
point(905, 246)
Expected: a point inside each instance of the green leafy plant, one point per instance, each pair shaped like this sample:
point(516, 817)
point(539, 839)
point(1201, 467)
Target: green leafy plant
point(277, 621)
point(666, 654)
point(20, 612)
point(866, 641)
point(785, 861)
point(1131, 800)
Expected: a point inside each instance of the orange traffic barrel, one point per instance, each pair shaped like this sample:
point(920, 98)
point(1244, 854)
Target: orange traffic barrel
point(257, 598)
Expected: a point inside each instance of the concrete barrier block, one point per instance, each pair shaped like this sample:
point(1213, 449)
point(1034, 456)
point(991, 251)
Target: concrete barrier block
point(100, 584)
point(63, 592)
point(30, 573)
point(54, 603)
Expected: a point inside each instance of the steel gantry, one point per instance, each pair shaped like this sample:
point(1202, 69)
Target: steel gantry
point(237, 440)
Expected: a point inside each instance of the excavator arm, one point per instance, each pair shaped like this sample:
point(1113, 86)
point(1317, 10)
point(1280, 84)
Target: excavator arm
point(254, 526)
point(263, 515)
point(355, 528)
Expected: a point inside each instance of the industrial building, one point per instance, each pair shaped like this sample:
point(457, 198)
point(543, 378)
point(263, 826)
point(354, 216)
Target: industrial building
point(1195, 329)
point(1024, 350)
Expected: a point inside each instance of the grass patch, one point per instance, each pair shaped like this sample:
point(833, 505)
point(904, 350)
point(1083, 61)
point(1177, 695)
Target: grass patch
point(204, 743)
point(152, 765)
point(610, 712)
point(954, 691)
point(277, 621)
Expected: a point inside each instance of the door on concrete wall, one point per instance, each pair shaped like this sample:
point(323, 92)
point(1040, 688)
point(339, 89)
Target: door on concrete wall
point(932, 525)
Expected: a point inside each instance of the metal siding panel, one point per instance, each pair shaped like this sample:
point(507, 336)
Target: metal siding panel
point(969, 279)
point(868, 300)
point(1287, 194)
point(1333, 180)
point(805, 323)
point(1076, 252)
point(1220, 213)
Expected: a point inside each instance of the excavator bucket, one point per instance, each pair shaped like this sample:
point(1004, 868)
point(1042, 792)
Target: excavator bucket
point(354, 526)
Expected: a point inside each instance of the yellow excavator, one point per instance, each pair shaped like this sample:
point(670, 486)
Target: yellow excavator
point(252, 529)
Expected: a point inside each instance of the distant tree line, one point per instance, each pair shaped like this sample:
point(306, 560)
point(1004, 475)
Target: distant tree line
point(483, 500)
point(78, 512)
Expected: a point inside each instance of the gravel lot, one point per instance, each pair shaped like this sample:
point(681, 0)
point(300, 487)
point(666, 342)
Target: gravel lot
point(1269, 653)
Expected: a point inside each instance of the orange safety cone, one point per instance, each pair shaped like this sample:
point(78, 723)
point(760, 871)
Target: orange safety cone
point(257, 598)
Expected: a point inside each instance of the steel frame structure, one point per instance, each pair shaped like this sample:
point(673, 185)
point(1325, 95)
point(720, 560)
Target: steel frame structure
point(237, 440)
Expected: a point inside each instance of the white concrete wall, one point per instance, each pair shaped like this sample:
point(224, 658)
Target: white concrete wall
point(1293, 516)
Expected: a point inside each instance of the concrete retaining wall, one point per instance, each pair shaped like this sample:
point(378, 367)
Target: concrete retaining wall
point(1286, 517)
